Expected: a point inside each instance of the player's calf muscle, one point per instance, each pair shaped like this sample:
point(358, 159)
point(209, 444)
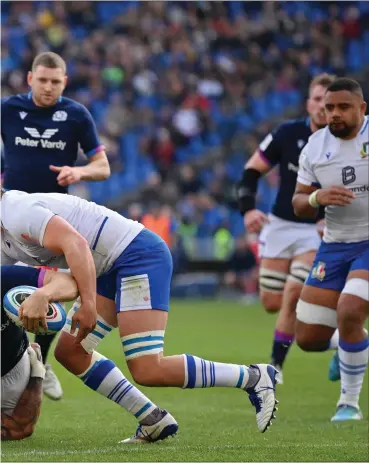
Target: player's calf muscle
point(71, 355)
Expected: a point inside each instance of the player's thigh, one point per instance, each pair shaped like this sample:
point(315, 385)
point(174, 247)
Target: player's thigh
point(298, 273)
point(272, 279)
point(316, 309)
point(142, 301)
point(14, 383)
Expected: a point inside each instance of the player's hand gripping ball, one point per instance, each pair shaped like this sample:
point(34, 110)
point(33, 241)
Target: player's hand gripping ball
point(55, 316)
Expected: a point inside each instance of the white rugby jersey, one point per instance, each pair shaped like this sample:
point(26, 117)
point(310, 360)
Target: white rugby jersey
point(25, 216)
point(326, 161)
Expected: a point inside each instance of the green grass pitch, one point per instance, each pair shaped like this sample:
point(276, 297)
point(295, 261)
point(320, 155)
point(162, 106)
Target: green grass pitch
point(215, 424)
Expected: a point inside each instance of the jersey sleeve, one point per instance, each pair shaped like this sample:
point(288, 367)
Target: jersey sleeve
point(306, 175)
point(89, 137)
point(15, 275)
point(28, 224)
point(270, 149)
point(5, 259)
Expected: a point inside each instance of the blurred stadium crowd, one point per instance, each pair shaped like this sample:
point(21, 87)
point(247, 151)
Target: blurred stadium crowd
point(182, 92)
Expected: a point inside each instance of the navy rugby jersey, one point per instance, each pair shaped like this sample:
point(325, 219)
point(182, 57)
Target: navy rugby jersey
point(35, 137)
point(283, 147)
point(14, 340)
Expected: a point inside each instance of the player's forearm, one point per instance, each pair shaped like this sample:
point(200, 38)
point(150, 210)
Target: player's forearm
point(82, 267)
point(95, 170)
point(302, 207)
point(59, 286)
point(25, 415)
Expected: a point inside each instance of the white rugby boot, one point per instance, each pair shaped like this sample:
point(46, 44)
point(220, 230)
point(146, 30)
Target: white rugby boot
point(262, 395)
point(165, 427)
point(51, 385)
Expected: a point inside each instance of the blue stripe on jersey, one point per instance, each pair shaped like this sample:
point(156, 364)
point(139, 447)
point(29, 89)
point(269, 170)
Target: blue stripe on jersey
point(99, 233)
point(96, 150)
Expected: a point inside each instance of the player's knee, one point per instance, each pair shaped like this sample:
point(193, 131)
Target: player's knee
point(271, 301)
point(146, 370)
point(143, 352)
point(314, 327)
point(350, 313)
point(353, 304)
point(271, 284)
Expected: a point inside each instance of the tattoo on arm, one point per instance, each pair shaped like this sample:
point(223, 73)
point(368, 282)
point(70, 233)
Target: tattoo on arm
point(25, 415)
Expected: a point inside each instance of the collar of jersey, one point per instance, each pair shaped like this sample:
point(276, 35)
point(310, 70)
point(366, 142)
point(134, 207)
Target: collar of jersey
point(365, 125)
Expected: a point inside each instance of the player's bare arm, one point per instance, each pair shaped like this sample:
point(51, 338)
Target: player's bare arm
point(22, 422)
point(307, 199)
point(247, 189)
point(62, 238)
point(97, 169)
point(57, 286)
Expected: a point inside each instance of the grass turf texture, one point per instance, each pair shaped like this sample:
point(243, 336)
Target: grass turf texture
point(215, 425)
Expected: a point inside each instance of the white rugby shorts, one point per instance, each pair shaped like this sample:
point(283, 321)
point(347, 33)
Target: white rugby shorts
point(282, 239)
point(14, 383)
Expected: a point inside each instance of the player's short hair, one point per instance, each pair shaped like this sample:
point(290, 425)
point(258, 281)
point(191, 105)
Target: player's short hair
point(51, 60)
point(344, 83)
point(2, 191)
point(325, 80)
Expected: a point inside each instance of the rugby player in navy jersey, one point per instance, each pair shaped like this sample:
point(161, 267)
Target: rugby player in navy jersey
point(22, 369)
point(42, 132)
point(287, 244)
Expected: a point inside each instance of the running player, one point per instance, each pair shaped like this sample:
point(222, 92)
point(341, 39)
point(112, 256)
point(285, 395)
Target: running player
point(22, 370)
point(133, 268)
point(334, 173)
point(41, 132)
point(287, 243)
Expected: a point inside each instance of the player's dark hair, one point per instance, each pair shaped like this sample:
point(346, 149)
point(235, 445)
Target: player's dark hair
point(325, 80)
point(51, 60)
point(2, 191)
point(344, 83)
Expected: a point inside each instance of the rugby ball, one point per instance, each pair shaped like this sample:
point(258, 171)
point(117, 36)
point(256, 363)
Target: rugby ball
point(55, 317)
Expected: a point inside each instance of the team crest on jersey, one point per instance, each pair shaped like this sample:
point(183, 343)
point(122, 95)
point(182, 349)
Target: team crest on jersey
point(60, 116)
point(22, 114)
point(364, 152)
point(319, 271)
point(300, 143)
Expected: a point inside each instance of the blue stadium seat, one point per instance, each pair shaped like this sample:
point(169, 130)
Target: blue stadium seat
point(365, 47)
point(353, 55)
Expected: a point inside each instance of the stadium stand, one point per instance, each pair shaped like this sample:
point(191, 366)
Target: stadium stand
point(183, 91)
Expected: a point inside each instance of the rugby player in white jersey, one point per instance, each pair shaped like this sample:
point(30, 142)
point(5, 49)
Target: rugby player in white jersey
point(334, 172)
point(124, 271)
point(287, 244)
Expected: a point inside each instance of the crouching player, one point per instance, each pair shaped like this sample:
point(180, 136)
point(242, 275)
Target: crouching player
point(334, 172)
point(22, 370)
point(133, 267)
